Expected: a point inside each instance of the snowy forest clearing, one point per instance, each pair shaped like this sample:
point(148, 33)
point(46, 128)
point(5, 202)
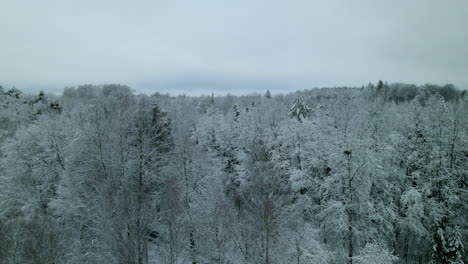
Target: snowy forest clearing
point(377, 174)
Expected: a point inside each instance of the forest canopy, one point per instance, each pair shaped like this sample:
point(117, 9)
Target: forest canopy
point(99, 174)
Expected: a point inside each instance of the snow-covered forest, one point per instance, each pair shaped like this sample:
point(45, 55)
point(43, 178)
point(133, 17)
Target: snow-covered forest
point(368, 175)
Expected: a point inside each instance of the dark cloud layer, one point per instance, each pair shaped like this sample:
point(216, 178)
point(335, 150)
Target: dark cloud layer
point(231, 46)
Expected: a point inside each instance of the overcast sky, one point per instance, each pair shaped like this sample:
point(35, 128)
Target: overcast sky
point(236, 46)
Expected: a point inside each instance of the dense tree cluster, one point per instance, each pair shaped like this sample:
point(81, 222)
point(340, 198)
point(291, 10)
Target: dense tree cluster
point(377, 174)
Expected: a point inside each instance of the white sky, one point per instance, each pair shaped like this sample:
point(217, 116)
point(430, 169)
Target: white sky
point(237, 46)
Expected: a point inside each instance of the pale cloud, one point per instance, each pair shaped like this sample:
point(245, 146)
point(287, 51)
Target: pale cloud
point(210, 45)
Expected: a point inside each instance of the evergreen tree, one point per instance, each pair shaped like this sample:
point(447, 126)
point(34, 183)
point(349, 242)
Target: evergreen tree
point(299, 109)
